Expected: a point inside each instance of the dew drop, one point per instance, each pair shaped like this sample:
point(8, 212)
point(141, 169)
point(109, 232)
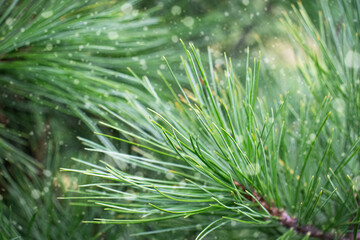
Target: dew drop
point(113, 35)
point(49, 47)
point(175, 10)
point(188, 21)
point(35, 194)
point(312, 137)
point(47, 14)
point(47, 173)
point(182, 183)
point(9, 21)
point(175, 39)
point(169, 175)
point(127, 8)
point(352, 59)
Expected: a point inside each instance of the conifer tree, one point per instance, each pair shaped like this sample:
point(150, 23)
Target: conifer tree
point(197, 150)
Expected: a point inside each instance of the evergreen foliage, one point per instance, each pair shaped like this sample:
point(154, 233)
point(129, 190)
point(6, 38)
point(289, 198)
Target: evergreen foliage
point(196, 151)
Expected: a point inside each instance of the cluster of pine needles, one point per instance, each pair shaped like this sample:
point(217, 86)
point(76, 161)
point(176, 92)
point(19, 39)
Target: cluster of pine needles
point(190, 145)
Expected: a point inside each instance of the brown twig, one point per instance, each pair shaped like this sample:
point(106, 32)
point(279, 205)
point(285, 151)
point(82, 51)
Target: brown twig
point(291, 222)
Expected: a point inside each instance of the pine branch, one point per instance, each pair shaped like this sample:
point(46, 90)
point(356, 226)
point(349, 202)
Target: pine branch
point(206, 153)
point(225, 155)
point(286, 220)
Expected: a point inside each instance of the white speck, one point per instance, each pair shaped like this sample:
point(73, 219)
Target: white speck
point(188, 21)
point(76, 81)
point(176, 10)
point(252, 169)
point(182, 183)
point(233, 223)
point(143, 64)
point(87, 105)
point(226, 14)
point(139, 174)
point(9, 21)
point(174, 38)
point(22, 30)
point(130, 197)
point(312, 137)
point(113, 35)
point(245, 2)
point(47, 14)
point(127, 8)
point(343, 87)
point(352, 59)
point(49, 47)
point(35, 194)
point(135, 13)
point(47, 173)
point(46, 189)
point(1, 197)
point(122, 165)
point(169, 175)
point(339, 105)
point(198, 226)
